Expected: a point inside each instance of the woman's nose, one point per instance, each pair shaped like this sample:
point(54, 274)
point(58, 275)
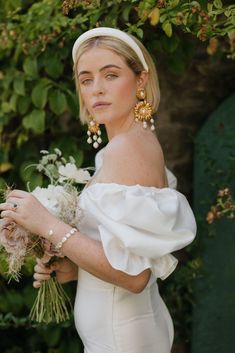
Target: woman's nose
point(98, 87)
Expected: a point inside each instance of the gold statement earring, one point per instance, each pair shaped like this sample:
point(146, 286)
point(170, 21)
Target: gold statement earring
point(143, 110)
point(94, 133)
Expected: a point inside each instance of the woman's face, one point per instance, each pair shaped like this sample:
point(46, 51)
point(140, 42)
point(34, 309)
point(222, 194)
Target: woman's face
point(107, 85)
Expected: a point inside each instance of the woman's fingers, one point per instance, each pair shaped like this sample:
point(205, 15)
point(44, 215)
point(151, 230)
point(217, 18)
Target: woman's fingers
point(6, 223)
point(27, 211)
point(8, 206)
point(46, 257)
point(18, 193)
point(41, 276)
point(42, 273)
point(42, 269)
point(37, 284)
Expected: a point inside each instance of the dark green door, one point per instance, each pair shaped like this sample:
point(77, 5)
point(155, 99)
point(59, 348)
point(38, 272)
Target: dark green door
point(214, 310)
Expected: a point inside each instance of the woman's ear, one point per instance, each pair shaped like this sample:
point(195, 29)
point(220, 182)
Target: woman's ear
point(142, 79)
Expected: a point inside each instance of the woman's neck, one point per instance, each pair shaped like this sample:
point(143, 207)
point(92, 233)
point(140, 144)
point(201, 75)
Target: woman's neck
point(121, 127)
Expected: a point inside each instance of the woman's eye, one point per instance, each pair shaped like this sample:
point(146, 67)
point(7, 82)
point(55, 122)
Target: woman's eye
point(86, 81)
point(111, 76)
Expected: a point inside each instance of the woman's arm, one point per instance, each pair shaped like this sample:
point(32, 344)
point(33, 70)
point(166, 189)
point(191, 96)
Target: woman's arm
point(88, 254)
point(80, 249)
point(121, 165)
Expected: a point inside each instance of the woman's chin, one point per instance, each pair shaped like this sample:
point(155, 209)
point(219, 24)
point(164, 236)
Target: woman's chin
point(103, 118)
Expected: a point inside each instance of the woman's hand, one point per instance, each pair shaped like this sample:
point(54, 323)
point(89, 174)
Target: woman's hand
point(24, 209)
point(65, 270)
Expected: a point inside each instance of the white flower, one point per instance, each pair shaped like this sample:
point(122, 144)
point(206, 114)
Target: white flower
point(70, 171)
point(57, 200)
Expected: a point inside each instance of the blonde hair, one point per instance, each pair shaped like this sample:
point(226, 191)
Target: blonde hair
point(132, 60)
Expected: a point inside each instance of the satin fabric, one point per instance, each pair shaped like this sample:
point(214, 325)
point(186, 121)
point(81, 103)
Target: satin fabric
point(110, 319)
point(138, 227)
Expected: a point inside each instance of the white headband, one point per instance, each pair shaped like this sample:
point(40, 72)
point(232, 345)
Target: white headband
point(111, 32)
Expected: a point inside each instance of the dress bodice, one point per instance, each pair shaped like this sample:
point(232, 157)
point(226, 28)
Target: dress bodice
point(138, 226)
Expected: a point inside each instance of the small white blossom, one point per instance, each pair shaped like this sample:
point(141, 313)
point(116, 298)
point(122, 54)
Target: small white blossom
point(58, 151)
point(72, 160)
point(71, 172)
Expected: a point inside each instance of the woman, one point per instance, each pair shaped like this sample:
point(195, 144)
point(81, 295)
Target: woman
point(131, 218)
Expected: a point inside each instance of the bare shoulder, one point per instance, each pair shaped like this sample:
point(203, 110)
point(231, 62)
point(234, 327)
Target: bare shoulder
point(132, 159)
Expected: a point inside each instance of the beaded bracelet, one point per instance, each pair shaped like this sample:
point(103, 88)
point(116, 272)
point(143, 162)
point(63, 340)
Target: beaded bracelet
point(59, 245)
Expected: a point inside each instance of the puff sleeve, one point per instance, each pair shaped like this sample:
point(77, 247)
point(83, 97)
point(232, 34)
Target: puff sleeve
point(140, 226)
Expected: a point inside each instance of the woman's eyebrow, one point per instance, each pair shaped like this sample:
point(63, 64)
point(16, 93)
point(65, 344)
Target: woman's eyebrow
point(102, 68)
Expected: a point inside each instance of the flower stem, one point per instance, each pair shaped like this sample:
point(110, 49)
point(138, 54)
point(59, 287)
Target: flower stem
point(51, 303)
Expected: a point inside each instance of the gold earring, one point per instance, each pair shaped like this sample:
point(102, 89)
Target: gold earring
point(143, 110)
point(94, 129)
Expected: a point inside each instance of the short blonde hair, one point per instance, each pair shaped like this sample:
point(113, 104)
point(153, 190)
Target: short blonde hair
point(132, 60)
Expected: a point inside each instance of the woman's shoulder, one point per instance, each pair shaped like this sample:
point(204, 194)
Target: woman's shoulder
point(134, 159)
point(120, 143)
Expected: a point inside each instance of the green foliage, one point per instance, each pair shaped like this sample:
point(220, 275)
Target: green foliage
point(37, 90)
point(179, 295)
point(39, 110)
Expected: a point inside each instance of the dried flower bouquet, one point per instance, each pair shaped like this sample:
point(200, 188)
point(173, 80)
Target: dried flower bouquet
point(60, 198)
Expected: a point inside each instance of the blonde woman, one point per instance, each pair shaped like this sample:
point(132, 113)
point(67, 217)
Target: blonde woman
point(132, 217)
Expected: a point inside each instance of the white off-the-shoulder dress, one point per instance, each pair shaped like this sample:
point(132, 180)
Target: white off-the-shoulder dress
point(138, 227)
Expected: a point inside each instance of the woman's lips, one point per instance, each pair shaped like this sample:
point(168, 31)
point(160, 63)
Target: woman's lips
point(99, 105)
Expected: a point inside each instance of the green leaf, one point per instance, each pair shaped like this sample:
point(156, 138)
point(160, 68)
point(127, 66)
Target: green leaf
point(53, 65)
point(29, 174)
point(195, 3)
point(231, 33)
point(174, 3)
point(30, 67)
point(23, 104)
point(126, 12)
point(22, 137)
point(139, 32)
point(73, 104)
point(163, 17)
point(209, 7)
point(39, 95)
point(167, 28)
point(6, 107)
point(57, 102)
point(227, 13)
point(13, 101)
point(35, 121)
point(19, 85)
point(218, 4)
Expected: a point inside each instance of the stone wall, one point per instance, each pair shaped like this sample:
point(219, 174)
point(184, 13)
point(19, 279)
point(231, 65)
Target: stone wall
point(186, 102)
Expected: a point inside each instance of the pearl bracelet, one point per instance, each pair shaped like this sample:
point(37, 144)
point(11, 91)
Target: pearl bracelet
point(59, 245)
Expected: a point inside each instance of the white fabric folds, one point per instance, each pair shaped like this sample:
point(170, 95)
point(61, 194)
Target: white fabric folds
point(140, 226)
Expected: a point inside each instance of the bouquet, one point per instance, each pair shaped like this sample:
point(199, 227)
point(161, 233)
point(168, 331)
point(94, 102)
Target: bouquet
point(60, 197)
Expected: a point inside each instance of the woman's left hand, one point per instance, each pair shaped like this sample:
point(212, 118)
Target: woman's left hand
point(24, 209)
